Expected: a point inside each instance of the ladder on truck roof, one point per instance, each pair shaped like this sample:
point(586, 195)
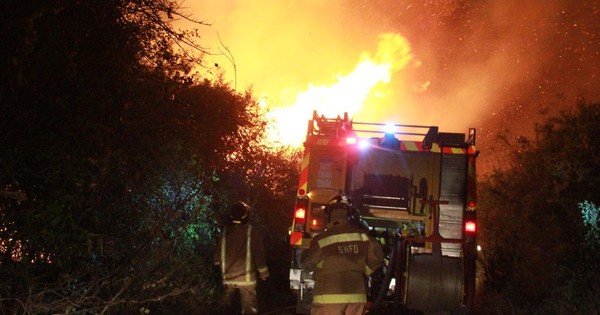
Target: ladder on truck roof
point(343, 126)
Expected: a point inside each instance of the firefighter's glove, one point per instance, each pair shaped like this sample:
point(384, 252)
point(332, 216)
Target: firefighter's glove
point(263, 273)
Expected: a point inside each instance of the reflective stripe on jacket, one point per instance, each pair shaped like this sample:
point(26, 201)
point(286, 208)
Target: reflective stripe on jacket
point(340, 258)
point(240, 255)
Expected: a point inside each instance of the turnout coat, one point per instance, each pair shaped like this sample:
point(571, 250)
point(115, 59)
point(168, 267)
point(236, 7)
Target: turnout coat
point(240, 254)
point(340, 258)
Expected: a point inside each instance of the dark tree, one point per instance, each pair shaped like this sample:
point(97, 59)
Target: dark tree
point(537, 217)
point(114, 160)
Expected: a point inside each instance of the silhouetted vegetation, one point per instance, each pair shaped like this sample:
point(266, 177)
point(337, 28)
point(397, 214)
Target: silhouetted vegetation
point(117, 164)
point(539, 218)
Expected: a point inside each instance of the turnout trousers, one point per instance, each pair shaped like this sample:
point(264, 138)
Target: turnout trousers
point(337, 309)
point(247, 294)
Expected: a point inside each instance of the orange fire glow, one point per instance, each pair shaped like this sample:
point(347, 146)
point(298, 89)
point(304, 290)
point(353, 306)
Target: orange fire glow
point(346, 94)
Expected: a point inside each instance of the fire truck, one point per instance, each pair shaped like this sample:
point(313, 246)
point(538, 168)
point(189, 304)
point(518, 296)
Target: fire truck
point(415, 190)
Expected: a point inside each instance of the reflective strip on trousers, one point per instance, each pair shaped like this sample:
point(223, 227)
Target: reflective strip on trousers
point(340, 298)
point(240, 283)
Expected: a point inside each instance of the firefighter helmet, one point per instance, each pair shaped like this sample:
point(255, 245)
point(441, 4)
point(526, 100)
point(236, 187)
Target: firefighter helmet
point(239, 213)
point(338, 208)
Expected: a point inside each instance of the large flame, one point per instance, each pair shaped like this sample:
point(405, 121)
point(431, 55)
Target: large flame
point(347, 94)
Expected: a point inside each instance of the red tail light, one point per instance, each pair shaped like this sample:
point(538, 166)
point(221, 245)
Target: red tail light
point(300, 214)
point(470, 226)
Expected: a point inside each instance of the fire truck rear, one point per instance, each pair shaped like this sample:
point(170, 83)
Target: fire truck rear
point(415, 190)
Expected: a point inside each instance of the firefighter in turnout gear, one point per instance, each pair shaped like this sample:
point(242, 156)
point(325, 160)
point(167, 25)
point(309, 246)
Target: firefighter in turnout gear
point(340, 259)
point(240, 255)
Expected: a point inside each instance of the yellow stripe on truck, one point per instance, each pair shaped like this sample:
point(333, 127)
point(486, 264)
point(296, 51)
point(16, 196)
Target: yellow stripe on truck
point(303, 183)
point(323, 141)
point(411, 146)
point(458, 151)
point(296, 238)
